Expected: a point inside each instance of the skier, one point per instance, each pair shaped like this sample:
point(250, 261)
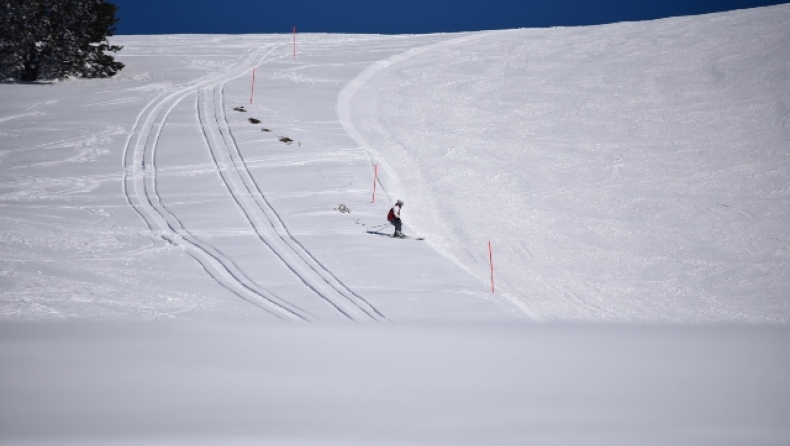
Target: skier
point(394, 219)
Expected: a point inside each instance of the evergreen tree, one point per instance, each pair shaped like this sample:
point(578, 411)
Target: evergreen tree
point(53, 38)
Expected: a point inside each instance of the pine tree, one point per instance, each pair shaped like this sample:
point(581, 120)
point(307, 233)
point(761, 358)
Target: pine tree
point(100, 64)
point(54, 38)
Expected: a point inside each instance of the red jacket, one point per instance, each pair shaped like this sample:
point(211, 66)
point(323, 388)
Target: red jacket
point(394, 213)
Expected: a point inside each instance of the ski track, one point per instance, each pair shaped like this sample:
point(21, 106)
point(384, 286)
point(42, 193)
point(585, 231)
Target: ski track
point(139, 174)
point(141, 193)
point(270, 229)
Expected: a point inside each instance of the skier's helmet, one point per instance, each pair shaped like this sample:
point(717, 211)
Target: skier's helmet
point(399, 203)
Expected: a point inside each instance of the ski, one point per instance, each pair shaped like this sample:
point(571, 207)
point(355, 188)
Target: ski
point(392, 236)
point(404, 236)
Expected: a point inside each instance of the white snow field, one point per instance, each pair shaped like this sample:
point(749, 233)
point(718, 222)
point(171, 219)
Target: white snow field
point(632, 172)
point(175, 269)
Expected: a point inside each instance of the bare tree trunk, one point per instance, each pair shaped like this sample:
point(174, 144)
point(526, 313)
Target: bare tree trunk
point(30, 71)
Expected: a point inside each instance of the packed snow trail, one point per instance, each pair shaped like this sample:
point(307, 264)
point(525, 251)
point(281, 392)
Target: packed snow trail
point(627, 172)
point(139, 187)
point(141, 153)
point(262, 217)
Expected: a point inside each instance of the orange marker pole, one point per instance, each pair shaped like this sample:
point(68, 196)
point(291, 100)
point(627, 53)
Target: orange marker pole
point(491, 261)
point(375, 178)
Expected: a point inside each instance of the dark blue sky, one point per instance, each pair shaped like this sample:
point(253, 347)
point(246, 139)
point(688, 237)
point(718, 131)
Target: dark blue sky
point(395, 16)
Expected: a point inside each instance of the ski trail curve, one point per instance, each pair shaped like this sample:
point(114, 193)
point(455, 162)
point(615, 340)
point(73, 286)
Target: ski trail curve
point(344, 100)
point(140, 174)
point(264, 220)
point(139, 189)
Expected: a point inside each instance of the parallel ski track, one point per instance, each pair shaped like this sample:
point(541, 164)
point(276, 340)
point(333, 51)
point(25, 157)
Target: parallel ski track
point(139, 189)
point(270, 229)
point(141, 193)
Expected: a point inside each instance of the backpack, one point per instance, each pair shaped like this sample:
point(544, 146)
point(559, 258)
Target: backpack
point(391, 215)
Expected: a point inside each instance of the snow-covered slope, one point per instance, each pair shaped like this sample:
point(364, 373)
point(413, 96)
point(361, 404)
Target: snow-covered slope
point(296, 385)
point(149, 196)
point(629, 172)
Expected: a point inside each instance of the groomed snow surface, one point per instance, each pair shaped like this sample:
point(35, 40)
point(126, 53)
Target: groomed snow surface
point(188, 260)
